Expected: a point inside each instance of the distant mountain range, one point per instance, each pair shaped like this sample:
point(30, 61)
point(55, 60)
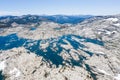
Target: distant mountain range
point(6, 21)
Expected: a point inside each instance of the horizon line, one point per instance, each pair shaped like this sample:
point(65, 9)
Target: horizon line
point(61, 14)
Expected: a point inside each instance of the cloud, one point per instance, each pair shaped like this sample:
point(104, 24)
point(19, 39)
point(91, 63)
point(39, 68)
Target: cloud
point(2, 13)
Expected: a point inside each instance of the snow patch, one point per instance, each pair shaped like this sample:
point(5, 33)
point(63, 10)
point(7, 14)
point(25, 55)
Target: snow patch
point(117, 77)
point(104, 72)
point(100, 52)
point(113, 19)
point(108, 32)
point(2, 65)
point(117, 24)
point(15, 72)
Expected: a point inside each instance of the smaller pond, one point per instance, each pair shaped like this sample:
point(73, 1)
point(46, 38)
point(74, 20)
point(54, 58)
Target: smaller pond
point(1, 76)
point(32, 28)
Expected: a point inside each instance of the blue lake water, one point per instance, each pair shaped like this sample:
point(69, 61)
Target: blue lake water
point(1, 76)
point(32, 28)
point(12, 41)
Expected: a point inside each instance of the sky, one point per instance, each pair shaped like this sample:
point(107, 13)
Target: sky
point(54, 7)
